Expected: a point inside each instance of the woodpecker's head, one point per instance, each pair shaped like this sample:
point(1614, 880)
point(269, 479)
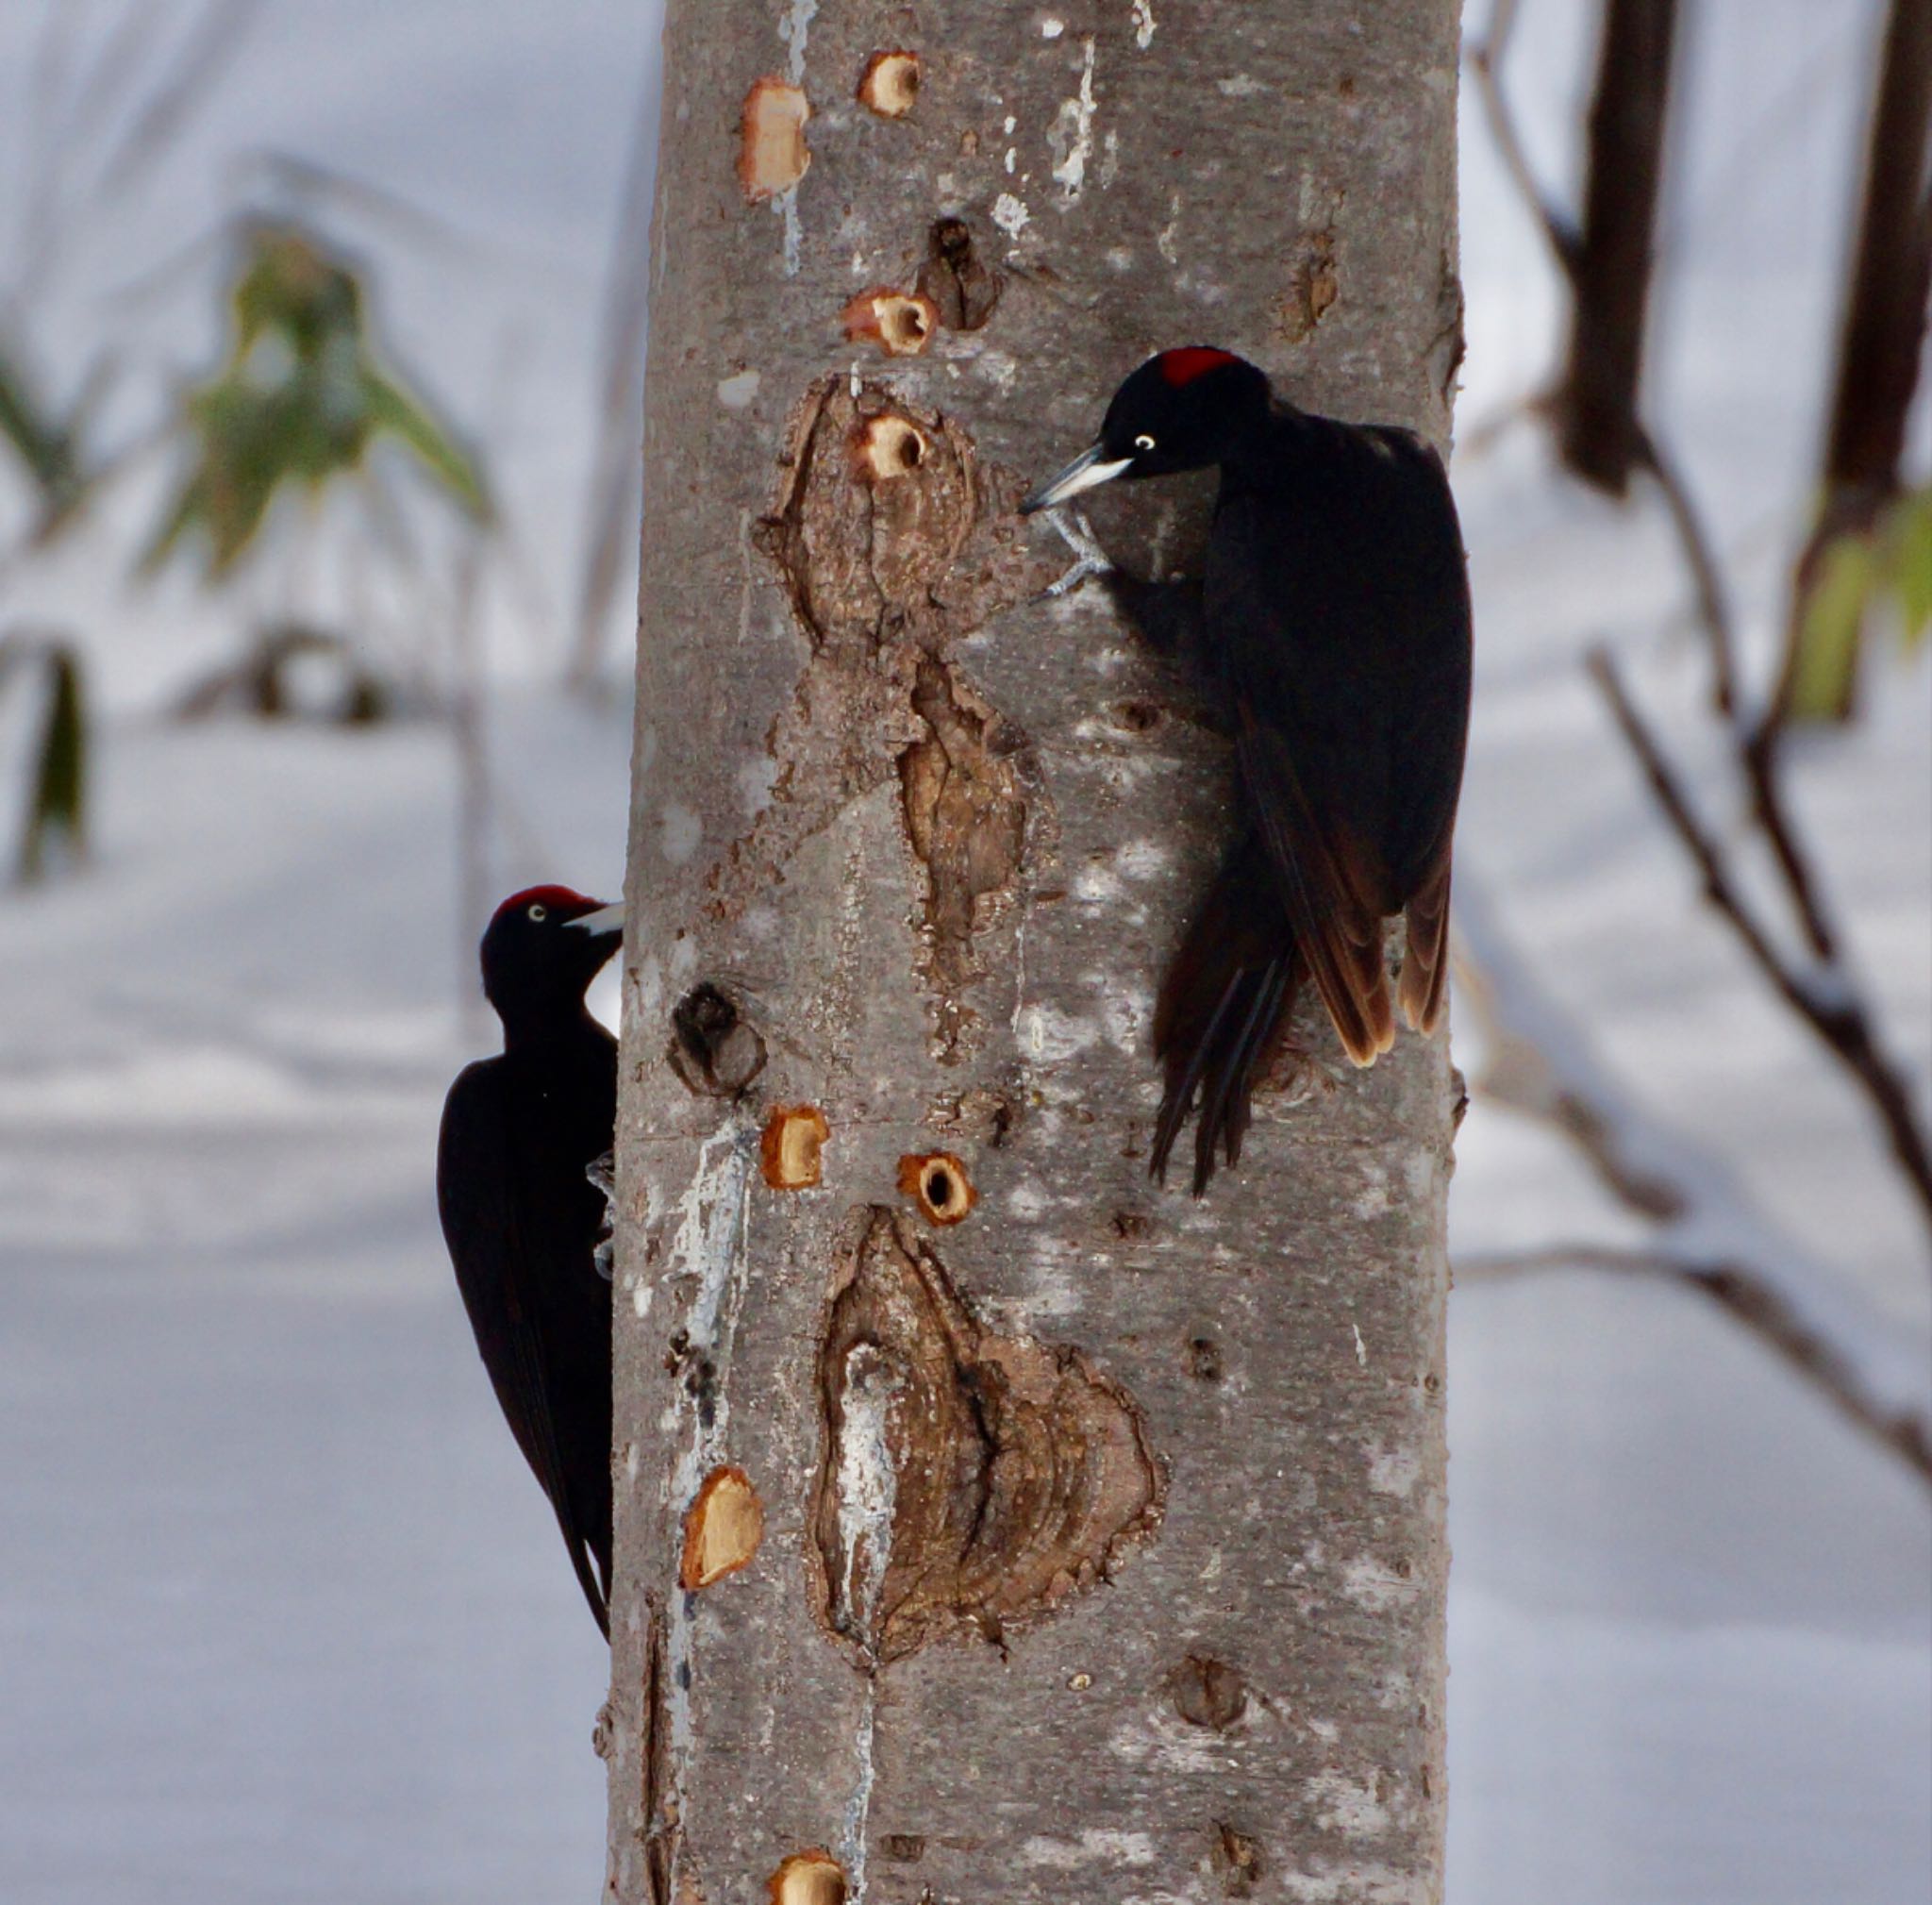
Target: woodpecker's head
point(544, 946)
point(1181, 411)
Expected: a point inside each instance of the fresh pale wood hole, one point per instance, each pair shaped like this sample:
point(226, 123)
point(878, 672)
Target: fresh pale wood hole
point(772, 155)
point(891, 85)
point(789, 1152)
point(721, 1530)
point(813, 1878)
point(889, 448)
point(901, 322)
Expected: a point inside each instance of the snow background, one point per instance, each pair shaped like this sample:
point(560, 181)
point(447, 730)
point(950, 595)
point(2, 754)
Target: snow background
point(281, 1615)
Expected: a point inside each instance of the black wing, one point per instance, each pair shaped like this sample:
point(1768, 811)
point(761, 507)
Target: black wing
point(503, 1265)
point(1337, 588)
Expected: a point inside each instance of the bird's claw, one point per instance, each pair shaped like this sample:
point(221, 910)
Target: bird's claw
point(1076, 532)
point(601, 1174)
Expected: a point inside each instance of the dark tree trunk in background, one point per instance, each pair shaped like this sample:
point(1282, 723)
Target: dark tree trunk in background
point(1598, 431)
point(992, 1525)
point(1880, 344)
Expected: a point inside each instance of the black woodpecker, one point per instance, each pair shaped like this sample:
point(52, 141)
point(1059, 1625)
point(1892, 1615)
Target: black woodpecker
point(1331, 632)
point(518, 1168)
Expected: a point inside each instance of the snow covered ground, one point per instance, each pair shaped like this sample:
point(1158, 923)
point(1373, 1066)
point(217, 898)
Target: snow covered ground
point(281, 1616)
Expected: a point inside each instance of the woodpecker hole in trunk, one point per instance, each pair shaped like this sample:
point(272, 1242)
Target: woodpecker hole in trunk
point(813, 1878)
point(890, 84)
point(938, 1181)
point(899, 323)
point(888, 447)
point(771, 153)
point(722, 1528)
point(790, 1150)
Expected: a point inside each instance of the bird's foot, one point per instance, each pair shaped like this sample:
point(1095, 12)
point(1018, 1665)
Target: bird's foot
point(601, 1174)
point(1076, 532)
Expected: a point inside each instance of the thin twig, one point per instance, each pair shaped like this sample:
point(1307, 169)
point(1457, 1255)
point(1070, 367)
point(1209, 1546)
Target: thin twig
point(1746, 1299)
point(1824, 999)
point(1486, 63)
point(1704, 1227)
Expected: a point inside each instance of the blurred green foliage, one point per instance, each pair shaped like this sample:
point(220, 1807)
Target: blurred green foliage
point(48, 448)
point(299, 401)
point(1851, 578)
point(56, 812)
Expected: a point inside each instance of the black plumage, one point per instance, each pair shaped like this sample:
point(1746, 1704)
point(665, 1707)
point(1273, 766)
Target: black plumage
point(1330, 631)
point(523, 1137)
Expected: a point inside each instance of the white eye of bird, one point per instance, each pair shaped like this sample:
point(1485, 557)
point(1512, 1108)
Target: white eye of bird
point(538, 911)
point(1144, 443)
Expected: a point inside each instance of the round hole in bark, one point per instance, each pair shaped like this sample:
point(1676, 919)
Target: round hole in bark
point(888, 447)
point(938, 1182)
point(891, 85)
point(813, 1878)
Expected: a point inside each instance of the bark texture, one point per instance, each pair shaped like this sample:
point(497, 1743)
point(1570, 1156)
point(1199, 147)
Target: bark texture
point(1077, 1542)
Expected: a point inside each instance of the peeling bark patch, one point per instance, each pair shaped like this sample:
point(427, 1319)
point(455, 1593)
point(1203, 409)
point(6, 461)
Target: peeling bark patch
point(889, 85)
point(865, 564)
point(900, 326)
point(813, 1878)
point(937, 1181)
point(722, 1528)
point(1236, 1857)
point(771, 153)
point(714, 1052)
point(1313, 284)
point(790, 1147)
point(888, 559)
point(963, 287)
point(967, 1481)
point(966, 819)
point(1208, 1693)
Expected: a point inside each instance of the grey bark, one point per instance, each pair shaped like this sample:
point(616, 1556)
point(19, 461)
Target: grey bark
point(1102, 1552)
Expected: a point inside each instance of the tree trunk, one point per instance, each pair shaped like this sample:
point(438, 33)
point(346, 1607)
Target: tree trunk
point(1598, 429)
point(994, 1525)
point(1880, 343)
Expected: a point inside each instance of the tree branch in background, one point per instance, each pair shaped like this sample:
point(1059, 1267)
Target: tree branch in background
point(1485, 57)
point(1705, 1229)
point(1826, 997)
point(1746, 1299)
point(1597, 429)
point(1878, 357)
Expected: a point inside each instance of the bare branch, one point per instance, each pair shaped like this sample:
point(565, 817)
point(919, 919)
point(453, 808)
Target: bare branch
point(1746, 1299)
point(1597, 428)
point(1705, 1225)
point(1486, 63)
point(1826, 998)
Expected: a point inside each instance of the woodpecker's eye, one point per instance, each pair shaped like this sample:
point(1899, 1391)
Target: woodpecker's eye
point(538, 910)
point(1144, 443)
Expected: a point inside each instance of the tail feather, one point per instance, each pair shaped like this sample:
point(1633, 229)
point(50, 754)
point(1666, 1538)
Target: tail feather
point(1425, 962)
point(1223, 1012)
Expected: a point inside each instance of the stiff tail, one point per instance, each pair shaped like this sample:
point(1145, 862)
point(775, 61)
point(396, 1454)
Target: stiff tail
point(1224, 1011)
